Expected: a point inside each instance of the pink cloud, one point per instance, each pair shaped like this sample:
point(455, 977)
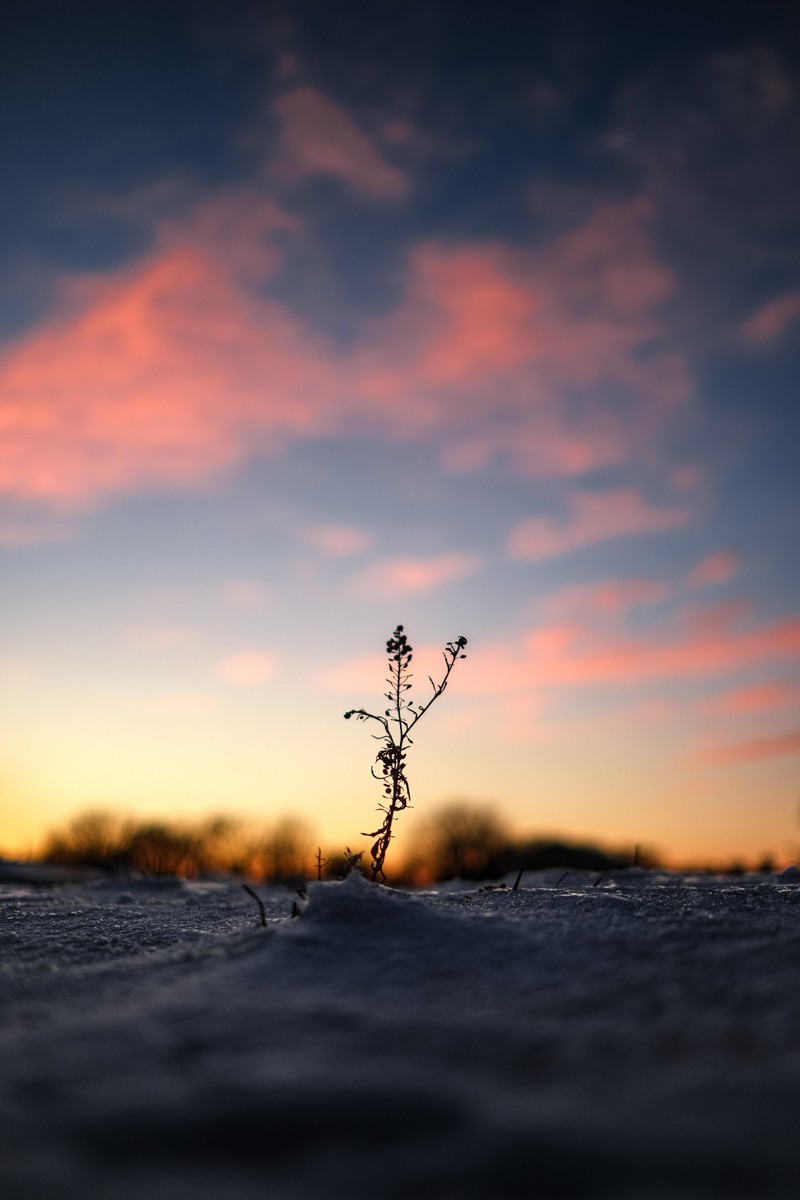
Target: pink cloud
point(318, 137)
point(715, 568)
point(397, 576)
point(337, 541)
point(553, 337)
point(178, 367)
point(249, 668)
point(757, 698)
point(615, 598)
point(769, 323)
point(571, 653)
point(751, 750)
point(593, 517)
point(160, 375)
point(521, 678)
point(237, 227)
point(686, 478)
point(609, 598)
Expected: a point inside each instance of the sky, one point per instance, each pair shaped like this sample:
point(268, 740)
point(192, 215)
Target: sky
point(315, 319)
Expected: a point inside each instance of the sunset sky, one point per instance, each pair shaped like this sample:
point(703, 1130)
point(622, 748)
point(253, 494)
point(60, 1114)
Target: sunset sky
point(319, 318)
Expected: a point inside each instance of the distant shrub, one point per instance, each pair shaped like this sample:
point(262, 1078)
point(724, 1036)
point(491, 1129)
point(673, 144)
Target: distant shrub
point(397, 721)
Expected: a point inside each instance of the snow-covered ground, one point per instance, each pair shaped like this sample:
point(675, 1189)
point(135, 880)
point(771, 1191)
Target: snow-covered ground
point(637, 1040)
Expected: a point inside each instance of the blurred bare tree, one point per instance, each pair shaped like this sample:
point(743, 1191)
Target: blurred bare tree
point(459, 841)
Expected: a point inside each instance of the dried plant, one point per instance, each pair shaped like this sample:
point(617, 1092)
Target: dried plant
point(397, 722)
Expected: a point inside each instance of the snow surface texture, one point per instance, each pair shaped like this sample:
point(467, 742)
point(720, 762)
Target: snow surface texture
point(637, 1040)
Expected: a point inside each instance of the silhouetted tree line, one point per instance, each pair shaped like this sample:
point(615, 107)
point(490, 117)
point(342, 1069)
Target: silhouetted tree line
point(458, 841)
point(192, 850)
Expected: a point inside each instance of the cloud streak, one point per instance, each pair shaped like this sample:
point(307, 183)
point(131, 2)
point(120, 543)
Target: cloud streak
point(409, 576)
point(751, 750)
point(772, 320)
point(758, 698)
point(318, 137)
point(714, 569)
point(592, 518)
point(572, 654)
point(337, 541)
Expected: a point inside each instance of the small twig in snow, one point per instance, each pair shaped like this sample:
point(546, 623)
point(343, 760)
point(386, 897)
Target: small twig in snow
point(258, 901)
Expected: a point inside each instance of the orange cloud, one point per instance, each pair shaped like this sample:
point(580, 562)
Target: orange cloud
point(395, 576)
point(593, 517)
point(769, 323)
point(318, 137)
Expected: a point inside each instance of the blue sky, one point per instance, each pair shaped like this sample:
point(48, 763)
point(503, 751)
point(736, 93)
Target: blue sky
point(487, 323)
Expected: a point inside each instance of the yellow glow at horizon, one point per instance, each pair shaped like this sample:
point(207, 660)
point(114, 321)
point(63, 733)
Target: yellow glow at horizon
point(165, 758)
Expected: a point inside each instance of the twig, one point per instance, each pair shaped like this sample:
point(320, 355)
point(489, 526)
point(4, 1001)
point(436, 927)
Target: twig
point(517, 880)
point(258, 901)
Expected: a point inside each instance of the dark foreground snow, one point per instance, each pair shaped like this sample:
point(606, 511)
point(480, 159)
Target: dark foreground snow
point(637, 1040)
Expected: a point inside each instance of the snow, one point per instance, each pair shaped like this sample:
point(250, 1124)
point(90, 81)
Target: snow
point(636, 1037)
